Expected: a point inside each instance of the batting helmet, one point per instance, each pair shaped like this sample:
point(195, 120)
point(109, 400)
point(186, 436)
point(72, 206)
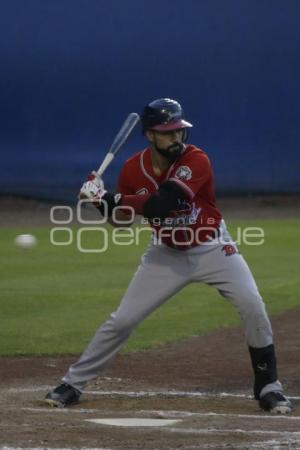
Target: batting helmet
point(163, 114)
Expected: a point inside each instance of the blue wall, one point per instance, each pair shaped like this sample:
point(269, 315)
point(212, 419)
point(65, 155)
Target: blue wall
point(71, 70)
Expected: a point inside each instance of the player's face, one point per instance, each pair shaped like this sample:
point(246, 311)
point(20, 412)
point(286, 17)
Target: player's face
point(168, 143)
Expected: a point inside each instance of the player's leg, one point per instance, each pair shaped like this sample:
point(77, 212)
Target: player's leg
point(157, 278)
point(224, 268)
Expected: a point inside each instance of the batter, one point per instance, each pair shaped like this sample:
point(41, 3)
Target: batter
point(170, 183)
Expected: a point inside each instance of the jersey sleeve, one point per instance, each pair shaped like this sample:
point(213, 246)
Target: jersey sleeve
point(124, 186)
point(192, 173)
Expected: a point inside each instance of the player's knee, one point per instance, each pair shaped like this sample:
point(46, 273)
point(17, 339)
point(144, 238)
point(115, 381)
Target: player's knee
point(252, 306)
point(250, 300)
point(121, 323)
point(257, 319)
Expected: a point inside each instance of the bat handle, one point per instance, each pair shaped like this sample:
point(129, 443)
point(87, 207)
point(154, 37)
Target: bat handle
point(106, 162)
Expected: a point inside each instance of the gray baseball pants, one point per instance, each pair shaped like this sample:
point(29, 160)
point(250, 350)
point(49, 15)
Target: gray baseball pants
point(162, 273)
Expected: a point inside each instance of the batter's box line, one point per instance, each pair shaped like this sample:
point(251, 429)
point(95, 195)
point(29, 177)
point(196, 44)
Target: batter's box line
point(231, 431)
point(134, 394)
point(159, 413)
point(188, 394)
point(51, 448)
point(265, 445)
point(187, 414)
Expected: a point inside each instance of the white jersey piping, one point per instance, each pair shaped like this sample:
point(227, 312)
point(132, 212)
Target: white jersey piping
point(145, 172)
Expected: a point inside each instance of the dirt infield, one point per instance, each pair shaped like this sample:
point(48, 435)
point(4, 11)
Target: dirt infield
point(205, 382)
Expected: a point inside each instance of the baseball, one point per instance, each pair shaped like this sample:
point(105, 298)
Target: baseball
point(25, 241)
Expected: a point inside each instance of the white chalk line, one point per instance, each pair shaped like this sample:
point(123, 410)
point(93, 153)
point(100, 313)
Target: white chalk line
point(175, 414)
point(265, 445)
point(230, 431)
point(163, 414)
point(51, 448)
point(61, 410)
point(186, 394)
point(163, 393)
point(191, 394)
point(271, 444)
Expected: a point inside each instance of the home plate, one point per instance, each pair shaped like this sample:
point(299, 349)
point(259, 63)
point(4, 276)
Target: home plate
point(126, 422)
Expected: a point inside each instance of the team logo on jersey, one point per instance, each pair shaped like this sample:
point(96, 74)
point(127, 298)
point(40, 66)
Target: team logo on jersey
point(184, 207)
point(183, 173)
point(142, 191)
point(229, 250)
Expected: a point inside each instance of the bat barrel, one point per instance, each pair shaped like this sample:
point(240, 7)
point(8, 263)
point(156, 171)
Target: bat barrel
point(124, 132)
point(120, 139)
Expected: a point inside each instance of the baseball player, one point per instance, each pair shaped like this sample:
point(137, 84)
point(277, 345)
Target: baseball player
point(170, 183)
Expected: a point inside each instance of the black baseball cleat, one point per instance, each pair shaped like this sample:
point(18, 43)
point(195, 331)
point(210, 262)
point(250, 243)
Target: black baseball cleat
point(276, 403)
point(63, 395)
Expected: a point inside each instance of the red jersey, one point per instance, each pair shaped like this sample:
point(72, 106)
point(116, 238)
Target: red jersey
point(196, 218)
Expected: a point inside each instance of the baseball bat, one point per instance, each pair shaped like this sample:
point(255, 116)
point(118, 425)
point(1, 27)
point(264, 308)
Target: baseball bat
point(120, 139)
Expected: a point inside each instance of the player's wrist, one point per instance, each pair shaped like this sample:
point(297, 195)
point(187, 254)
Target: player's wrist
point(109, 201)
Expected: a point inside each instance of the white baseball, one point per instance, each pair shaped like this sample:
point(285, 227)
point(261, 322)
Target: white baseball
point(25, 241)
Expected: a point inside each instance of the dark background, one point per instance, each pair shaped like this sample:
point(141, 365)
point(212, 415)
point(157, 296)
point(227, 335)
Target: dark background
point(71, 70)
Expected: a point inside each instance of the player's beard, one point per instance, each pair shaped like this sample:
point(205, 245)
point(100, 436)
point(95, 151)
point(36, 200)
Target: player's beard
point(172, 152)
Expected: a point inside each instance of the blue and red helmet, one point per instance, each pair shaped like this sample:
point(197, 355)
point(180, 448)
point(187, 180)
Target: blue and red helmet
point(163, 114)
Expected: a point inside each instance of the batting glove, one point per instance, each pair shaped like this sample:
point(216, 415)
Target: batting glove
point(93, 188)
